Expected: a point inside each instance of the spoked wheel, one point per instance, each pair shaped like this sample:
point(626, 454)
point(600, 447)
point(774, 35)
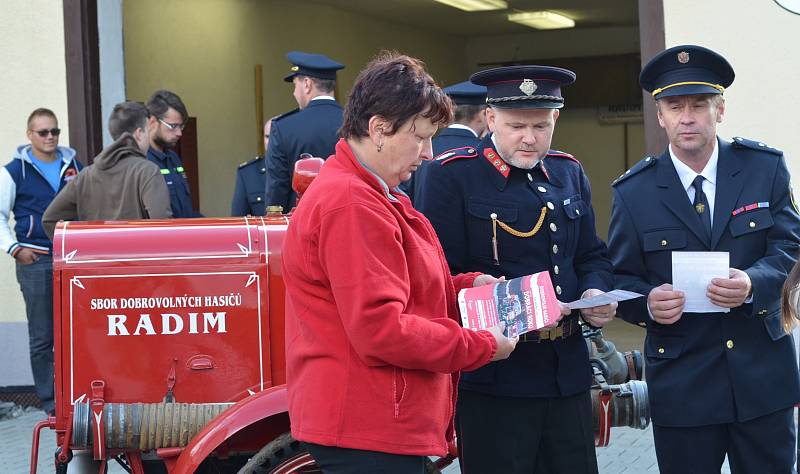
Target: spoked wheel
point(283, 455)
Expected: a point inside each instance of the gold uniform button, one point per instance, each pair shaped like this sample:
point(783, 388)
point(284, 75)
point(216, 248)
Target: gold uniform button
point(258, 198)
point(763, 311)
point(558, 289)
point(555, 248)
point(470, 150)
point(542, 189)
point(663, 243)
point(752, 225)
point(550, 206)
point(729, 344)
point(661, 350)
point(555, 269)
point(553, 226)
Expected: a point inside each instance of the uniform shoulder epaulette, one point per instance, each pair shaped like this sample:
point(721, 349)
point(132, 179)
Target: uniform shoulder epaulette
point(286, 114)
point(644, 163)
point(740, 142)
point(455, 154)
point(245, 163)
point(562, 154)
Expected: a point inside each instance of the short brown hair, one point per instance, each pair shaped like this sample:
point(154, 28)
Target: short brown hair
point(396, 87)
point(161, 101)
point(41, 112)
point(127, 117)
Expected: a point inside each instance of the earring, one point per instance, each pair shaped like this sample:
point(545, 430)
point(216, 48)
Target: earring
point(380, 146)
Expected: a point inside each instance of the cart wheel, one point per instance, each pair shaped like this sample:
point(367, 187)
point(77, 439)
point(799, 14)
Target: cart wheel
point(283, 455)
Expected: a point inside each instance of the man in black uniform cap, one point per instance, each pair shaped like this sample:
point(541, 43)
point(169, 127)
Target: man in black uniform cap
point(511, 207)
point(312, 128)
point(719, 382)
point(467, 128)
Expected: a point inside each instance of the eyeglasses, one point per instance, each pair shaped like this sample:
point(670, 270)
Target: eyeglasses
point(43, 133)
point(173, 126)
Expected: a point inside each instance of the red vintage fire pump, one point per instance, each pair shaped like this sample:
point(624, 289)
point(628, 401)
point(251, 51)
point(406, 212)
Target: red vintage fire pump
point(169, 347)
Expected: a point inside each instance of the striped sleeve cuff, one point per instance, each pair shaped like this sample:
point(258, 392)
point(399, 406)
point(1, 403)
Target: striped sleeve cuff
point(14, 249)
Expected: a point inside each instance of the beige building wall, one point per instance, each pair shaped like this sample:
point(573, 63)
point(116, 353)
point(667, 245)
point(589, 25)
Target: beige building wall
point(206, 51)
point(760, 41)
point(34, 76)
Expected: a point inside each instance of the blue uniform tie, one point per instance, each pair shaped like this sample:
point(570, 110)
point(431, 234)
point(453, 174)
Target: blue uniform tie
point(701, 205)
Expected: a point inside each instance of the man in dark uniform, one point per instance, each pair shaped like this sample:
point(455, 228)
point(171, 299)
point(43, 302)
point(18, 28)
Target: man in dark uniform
point(312, 128)
point(468, 127)
point(248, 195)
point(167, 121)
point(722, 382)
point(511, 207)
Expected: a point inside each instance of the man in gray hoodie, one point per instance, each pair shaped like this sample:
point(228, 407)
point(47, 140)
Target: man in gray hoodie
point(121, 184)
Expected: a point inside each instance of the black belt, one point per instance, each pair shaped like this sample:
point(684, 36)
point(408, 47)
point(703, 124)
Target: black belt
point(567, 328)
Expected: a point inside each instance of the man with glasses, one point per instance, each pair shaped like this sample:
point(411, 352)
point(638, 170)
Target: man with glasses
point(28, 183)
point(167, 121)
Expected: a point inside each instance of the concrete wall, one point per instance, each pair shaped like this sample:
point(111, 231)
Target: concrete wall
point(206, 51)
point(112, 60)
point(34, 75)
point(760, 40)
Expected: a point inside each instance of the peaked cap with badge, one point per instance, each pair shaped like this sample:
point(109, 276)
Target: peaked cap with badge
point(524, 87)
point(711, 369)
point(311, 65)
point(686, 70)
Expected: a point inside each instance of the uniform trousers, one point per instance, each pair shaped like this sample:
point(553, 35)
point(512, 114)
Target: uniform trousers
point(765, 445)
point(36, 282)
point(335, 460)
point(526, 435)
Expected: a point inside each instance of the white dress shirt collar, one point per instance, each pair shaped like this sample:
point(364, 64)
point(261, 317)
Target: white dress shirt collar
point(687, 175)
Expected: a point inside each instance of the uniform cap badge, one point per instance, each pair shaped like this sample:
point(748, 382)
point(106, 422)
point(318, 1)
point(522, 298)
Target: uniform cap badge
point(528, 87)
point(295, 69)
point(683, 57)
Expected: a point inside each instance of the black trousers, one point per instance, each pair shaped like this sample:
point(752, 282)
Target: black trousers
point(334, 460)
point(526, 435)
point(765, 445)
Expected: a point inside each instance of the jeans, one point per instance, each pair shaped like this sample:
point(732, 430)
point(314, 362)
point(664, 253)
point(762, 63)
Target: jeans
point(36, 282)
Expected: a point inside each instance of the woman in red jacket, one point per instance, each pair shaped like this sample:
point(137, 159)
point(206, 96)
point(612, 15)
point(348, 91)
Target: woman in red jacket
point(374, 344)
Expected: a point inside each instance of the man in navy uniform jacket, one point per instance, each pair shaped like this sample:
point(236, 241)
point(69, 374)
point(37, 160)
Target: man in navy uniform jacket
point(719, 383)
point(248, 195)
point(312, 128)
point(510, 207)
point(466, 130)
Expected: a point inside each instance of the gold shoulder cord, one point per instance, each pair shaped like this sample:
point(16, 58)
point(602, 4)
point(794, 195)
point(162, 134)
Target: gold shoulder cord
point(513, 231)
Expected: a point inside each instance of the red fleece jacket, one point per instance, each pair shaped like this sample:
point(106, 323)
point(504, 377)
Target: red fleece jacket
point(373, 339)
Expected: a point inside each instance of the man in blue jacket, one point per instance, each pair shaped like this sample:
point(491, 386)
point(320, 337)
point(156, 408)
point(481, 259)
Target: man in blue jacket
point(248, 195)
point(720, 383)
point(312, 128)
point(28, 183)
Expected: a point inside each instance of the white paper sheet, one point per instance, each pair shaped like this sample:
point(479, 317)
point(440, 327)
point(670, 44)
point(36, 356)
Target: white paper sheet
point(603, 299)
point(692, 272)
